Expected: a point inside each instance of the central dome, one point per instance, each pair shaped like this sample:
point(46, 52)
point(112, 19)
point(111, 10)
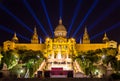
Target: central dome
point(60, 30)
point(60, 27)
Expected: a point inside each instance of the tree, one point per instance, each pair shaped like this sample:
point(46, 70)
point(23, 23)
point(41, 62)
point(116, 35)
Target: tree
point(10, 58)
point(32, 59)
point(88, 60)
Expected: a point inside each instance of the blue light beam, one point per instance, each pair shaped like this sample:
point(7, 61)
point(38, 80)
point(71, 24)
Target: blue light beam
point(74, 16)
point(12, 32)
point(112, 27)
point(84, 19)
point(48, 19)
point(60, 7)
point(14, 17)
point(34, 16)
point(105, 14)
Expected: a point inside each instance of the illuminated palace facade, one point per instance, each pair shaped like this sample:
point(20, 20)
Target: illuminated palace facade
point(59, 43)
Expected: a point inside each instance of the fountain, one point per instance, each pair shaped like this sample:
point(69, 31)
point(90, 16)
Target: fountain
point(59, 55)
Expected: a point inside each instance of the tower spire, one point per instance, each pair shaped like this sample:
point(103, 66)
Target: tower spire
point(86, 39)
point(85, 30)
point(105, 38)
point(35, 37)
point(60, 20)
point(15, 39)
point(15, 34)
point(35, 31)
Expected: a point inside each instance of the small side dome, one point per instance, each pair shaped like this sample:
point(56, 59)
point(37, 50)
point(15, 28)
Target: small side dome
point(60, 30)
point(105, 38)
point(15, 39)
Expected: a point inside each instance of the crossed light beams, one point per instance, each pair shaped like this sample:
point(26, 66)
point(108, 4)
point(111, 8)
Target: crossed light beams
point(76, 11)
point(15, 17)
point(112, 27)
point(84, 19)
point(36, 19)
point(60, 7)
point(12, 32)
point(109, 29)
point(103, 16)
point(48, 19)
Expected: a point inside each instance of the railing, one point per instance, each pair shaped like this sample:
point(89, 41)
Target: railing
point(78, 69)
point(42, 65)
point(27, 74)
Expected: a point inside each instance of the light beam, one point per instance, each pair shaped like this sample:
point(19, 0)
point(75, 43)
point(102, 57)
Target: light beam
point(48, 19)
point(84, 19)
point(112, 27)
point(12, 32)
point(15, 17)
point(74, 16)
point(34, 16)
point(105, 14)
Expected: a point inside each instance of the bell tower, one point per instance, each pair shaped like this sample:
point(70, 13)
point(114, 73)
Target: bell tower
point(34, 39)
point(86, 39)
point(15, 39)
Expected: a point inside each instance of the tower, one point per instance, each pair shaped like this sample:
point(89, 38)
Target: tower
point(34, 39)
point(86, 39)
point(60, 30)
point(105, 38)
point(15, 39)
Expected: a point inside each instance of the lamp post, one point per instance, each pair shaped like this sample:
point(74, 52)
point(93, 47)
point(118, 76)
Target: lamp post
point(21, 71)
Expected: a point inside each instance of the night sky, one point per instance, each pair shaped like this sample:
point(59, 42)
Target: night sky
point(98, 16)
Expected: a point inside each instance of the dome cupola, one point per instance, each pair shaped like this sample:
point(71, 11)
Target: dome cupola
point(60, 30)
point(15, 39)
point(105, 38)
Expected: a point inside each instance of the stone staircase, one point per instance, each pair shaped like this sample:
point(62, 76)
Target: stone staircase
point(77, 67)
point(41, 67)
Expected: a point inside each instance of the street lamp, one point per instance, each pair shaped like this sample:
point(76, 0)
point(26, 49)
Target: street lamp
point(20, 72)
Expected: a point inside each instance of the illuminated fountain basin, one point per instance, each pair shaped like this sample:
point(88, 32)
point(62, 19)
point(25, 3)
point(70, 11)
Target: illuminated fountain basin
point(66, 64)
point(59, 62)
point(59, 66)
